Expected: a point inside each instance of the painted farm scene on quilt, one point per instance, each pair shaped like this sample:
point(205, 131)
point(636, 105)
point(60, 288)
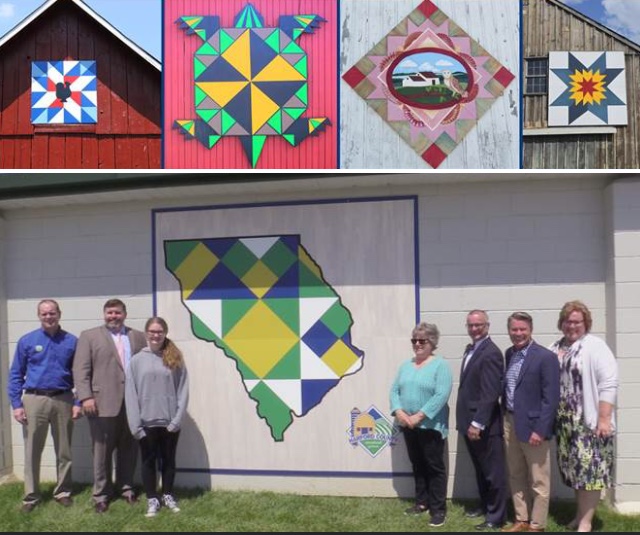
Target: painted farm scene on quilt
point(251, 80)
point(64, 92)
point(587, 89)
point(430, 81)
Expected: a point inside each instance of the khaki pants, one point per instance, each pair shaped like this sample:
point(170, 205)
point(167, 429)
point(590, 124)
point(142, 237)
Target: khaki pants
point(529, 470)
point(42, 412)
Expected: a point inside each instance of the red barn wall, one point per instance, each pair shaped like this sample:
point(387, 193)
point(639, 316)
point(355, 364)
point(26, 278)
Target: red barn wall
point(317, 152)
point(128, 132)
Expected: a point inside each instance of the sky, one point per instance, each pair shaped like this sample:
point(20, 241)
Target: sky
point(622, 16)
point(139, 20)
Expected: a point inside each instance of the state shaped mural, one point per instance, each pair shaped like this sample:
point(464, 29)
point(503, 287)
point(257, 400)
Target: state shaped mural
point(265, 303)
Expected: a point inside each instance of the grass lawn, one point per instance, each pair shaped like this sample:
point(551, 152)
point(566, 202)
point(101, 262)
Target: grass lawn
point(204, 510)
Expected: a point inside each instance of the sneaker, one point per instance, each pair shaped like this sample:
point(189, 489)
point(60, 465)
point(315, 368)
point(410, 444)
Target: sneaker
point(153, 506)
point(437, 520)
point(170, 503)
point(416, 509)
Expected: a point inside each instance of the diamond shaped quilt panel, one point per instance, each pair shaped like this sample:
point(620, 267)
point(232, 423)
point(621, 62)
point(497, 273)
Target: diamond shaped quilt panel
point(429, 81)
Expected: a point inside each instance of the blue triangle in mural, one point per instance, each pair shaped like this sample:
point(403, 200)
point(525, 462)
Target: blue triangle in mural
point(89, 115)
point(260, 52)
point(313, 390)
point(220, 247)
point(280, 92)
point(221, 283)
point(239, 107)
point(221, 71)
point(92, 85)
point(39, 69)
point(69, 119)
point(75, 70)
point(288, 285)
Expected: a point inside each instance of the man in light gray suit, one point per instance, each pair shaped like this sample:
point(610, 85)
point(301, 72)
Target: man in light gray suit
point(99, 366)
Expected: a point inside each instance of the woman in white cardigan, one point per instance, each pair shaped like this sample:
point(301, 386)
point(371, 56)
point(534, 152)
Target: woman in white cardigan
point(585, 421)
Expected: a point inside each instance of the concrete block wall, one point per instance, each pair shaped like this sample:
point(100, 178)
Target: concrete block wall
point(623, 203)
point(499, 245)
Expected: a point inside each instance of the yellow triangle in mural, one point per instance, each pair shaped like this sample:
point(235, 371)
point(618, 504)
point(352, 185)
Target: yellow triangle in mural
point(221, 92)
point(238, 55)
point(278, 70)
point(262, 108)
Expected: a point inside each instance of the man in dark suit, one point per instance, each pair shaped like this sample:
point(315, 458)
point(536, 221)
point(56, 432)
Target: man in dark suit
point(101, 359)
point(479, 419)
point(531, 397)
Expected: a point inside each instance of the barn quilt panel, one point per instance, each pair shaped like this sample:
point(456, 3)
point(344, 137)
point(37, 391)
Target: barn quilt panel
point(251, 80)
point(587, 89)
point(64, 92)
point(429, 81)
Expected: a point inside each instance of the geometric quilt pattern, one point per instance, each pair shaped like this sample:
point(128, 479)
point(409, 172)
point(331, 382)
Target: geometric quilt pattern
point(64, 92)
point(429, 81)
point(265, 303)
point(587, 89)
point(251, 81)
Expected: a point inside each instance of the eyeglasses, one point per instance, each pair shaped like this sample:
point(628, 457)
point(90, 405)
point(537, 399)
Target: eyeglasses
point(475, 325)
point(420, 341)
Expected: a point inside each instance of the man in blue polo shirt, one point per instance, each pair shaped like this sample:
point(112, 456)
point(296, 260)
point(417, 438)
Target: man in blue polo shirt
point(41, 394)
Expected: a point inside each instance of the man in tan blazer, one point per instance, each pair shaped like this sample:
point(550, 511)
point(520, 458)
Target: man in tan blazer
point(99, 367)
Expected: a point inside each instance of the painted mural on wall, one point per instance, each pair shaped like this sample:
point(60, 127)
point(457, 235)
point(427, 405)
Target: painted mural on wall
point(64, 92)
point(287, 333)
point(251, 80)
point(265, 302)
point(430, 81)
point(587, 89)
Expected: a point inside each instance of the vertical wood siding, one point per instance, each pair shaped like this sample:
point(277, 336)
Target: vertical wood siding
point(128, 131)
point(315, 152)
point(548, 27)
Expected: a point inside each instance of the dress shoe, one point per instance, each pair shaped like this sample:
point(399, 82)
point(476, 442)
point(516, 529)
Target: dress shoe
point(474, 513)
point(486, 526)
point(102, 507)
point(65, 501)
point(131, 499)
point(27, 507)
point(518, 525)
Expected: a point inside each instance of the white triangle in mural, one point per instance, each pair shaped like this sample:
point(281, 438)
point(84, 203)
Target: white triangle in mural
point(209, 312)
point(289, 391)
point(312, 367)
point(259, 246)
point(312, 309)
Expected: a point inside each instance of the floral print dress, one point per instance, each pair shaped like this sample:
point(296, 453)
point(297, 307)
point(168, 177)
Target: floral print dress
point(584, 459)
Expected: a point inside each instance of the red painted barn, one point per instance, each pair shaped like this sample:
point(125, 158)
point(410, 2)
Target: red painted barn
point(76, 93)
point(220, 56)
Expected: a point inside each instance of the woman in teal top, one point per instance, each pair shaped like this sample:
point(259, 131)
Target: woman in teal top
point(419, 401)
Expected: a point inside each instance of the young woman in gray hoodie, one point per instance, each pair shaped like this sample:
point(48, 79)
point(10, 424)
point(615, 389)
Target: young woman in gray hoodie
point(156, 397)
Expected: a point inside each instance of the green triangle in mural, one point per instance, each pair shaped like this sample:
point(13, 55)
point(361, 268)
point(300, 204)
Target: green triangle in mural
point(301, 66)
point(207, 115)
point(315, 123)
point(290, 138)
point(200, 330)
point(311, 285)
point(276, 122)
point(213, 140)
point(272, 409)
point(257, 144)
point(288, 310)
point(279, 258)
point(202, 34)
point(225, 41)
point(233, 310)
point(292, 48)
point(337, 319)
point(303, 93)
point(200, 95)
point(294, 113)
point(177, 251)
point(245, 372)
point(288, 367)
point(227, 122)
point(274, 40)
point(207, 50)
point(198, 67)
